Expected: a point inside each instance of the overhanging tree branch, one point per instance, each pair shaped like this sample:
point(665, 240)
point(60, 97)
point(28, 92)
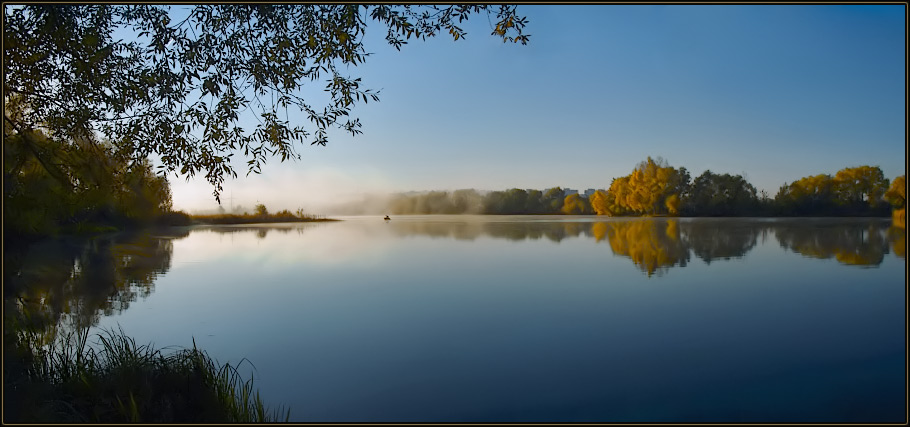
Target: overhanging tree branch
point(64, 61)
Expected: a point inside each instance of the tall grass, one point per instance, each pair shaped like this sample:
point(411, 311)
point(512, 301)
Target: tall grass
point(281, 216)
point(117, 380)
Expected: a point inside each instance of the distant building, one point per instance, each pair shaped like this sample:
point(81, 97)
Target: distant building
point(589, 192)
point(568, 191)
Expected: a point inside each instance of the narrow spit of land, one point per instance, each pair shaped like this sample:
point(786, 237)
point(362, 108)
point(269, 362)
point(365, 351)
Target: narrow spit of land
point(259, 218)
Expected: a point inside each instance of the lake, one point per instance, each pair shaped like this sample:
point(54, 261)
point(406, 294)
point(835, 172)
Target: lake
point(514, 318)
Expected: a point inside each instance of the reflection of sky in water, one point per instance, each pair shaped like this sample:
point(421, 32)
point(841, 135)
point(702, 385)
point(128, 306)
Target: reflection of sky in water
point(464, 320)
point(322, 243)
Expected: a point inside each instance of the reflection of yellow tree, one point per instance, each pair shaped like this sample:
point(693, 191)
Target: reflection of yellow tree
point(653, 245)
point(899, 218)
point(599, 230)
point(854, 244)
point(898, 238)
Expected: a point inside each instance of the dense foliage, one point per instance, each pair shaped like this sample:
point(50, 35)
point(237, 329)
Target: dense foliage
point(852, 191)
point(77, 185)
point(180, 81)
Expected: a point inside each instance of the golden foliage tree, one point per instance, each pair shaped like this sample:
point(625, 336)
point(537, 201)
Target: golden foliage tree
point(576, 205)
point(600, 204)
point(672, 204)
point(648, 190)
point(860, 184)
point(897, 196)
point(807, 195)
point(617, 194)
point(897, 193)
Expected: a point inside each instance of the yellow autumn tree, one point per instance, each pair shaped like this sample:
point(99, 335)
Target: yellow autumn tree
point(644, 192)
point(810, 194)
point(860, 184)
point(575, 205)
point(897, 193)
point(617, 194)
point(672, 204)
point(817, 187)
point(897, 196)
point(652, 188)
point(600, 204)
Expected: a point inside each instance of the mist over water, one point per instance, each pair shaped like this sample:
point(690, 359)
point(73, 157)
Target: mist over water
point(317, 190)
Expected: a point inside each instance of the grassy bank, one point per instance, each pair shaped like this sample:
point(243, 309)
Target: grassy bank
point(68, 381)
point(262, 216)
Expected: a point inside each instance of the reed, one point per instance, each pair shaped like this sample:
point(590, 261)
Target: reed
point(116, 380)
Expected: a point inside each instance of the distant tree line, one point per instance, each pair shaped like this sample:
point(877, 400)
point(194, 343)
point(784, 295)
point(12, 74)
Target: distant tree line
point(655, 188)
point(510, 202)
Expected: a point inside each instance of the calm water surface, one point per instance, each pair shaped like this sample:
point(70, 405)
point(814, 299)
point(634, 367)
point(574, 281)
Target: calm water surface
point(477, 318)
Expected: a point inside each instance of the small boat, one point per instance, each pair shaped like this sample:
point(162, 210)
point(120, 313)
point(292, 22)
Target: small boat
point(387, 218)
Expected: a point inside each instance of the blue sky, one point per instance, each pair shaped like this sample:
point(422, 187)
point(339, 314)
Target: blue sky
point(773, 92)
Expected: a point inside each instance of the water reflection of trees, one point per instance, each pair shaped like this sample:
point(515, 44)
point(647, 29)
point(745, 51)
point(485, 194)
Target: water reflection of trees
point(656, 244)
point(510, 230)
point(854, 243)
point(84, 279)
point(79, 279)
point(261, 231)
point(721, 239)
point(517, 231)
point(449, 230)
point(898, 238)
point(653, 245)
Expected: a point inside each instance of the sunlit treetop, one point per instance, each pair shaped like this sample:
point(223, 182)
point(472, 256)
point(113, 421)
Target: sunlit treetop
point(179, 84)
